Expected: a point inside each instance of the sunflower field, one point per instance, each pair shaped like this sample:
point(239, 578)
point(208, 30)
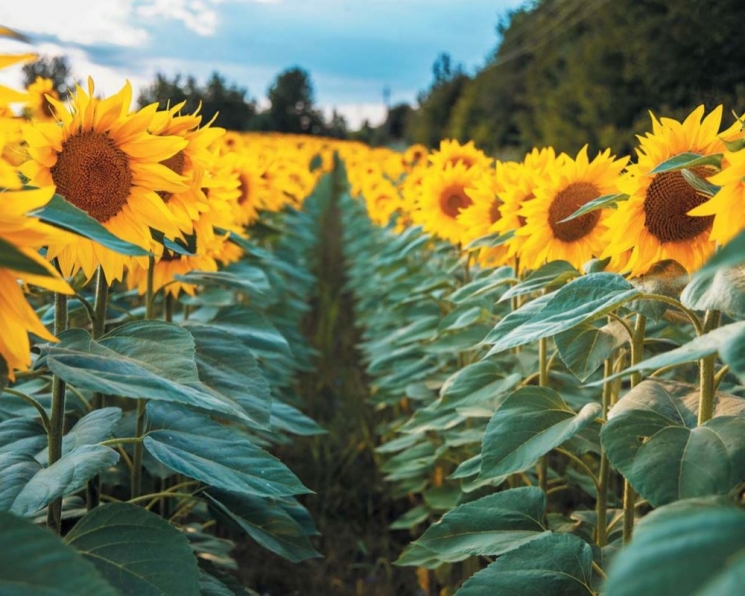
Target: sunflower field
point(552, 353)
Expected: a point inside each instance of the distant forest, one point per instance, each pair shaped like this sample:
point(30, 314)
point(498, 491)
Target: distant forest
point(568, 72)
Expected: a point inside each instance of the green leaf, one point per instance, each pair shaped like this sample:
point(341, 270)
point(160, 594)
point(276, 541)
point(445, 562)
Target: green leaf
point(220, 456)
point(411, 519)
point(64, 477)
point(585, 347)
point(581, 300)
point(554, 564)
point(699, 347)
point(491, 525)
point(604, 202)
point(652, 438)
point(136, 551)
point(92, 428)
point(266, 522)
point(22, 435)
point(62, 214)
point(688, 160)
point(37, 563)
point(143, 360)
point(530, 422)
point(14, 259)
point(723, 290)
point(251, 280)
point(225, 365)
point(549, 276)
point(699, 184)
point(491, 241)
point(16, 470)
point(254, 329)
point(692, 553)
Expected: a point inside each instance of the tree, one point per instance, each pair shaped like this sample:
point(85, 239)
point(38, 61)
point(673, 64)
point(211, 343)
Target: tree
point(57, 69)
point(291, 104)
point(228, 101)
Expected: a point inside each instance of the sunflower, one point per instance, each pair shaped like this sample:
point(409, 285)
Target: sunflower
point(442, 197)
point(26, 234)
point(414, 155)
point(38, 106)
point(382, 200)
point(570, 184)
point(654, 223)
point(103, 160)
point(191, 162)
point(517, 182)
point(452, 152)
point(480, 218)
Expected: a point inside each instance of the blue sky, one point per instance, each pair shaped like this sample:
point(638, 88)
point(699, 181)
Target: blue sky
point(352, 48)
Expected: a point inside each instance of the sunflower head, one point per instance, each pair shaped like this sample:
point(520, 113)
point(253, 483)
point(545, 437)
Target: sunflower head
point(451, 153)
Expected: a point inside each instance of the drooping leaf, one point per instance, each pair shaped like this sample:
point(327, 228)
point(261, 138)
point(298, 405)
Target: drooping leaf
point(254, 329)
point(22, 435)
point(604, 202)
point(731, 254)
point(723, 290)
point(549, 276)
point(581, 300)
point(62, 214)
point(555, 564)
point(64, 477)
point(225, 365)
point(16, 470)
point(530, 422)
point(585, 347)
point(36, 562)
point(12, 258)
point(652, 438)
point(218, 455)
point(136, 551)
point(266, 522)
point(144, 360)
point(491, 525)
point(697, 552)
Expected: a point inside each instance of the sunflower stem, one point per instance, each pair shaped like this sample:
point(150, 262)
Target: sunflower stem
point(706, 373)
point(629, 494)
point(601, 505)
point(57, 418)
point(543, 382)
point(93, 488)
point(136, 477)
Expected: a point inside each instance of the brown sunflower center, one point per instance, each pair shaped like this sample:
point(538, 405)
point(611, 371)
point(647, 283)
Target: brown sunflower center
point(93, 174)
point(453, 200)
point(494, 214)
point(175, 163)
point(667, 203)
point(567, 202)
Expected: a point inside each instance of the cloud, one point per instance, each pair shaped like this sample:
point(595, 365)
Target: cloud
point(199, 16)
point(80, 21)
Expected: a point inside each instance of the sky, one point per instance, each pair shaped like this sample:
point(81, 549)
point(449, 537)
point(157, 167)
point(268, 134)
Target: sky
point(353, 49)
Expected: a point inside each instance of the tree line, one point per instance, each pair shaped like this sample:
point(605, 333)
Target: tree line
point(568, 72)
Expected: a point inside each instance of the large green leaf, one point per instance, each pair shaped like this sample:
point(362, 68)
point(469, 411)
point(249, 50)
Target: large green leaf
point(476, 383)
point(266, 522)
point(14, 259)
point(92, 428)
point(491, 525)
point(581, 300)
point(145, 360)
point(723, 290)
point(547, 277)
point(585, 347)
point(218, 455)
point(530, 422)
point(695, 552)
point(62, 214)
point(136, 551)
point(63, 477)
point(731, 254)
point(553, 564)
point(651, 437)
point(37, 563)
point(225, 365)
point(16, 471)
point(687, 161)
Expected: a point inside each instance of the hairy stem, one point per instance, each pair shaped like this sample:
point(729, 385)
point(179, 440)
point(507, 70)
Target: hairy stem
point(57, 418)
point(706, 373)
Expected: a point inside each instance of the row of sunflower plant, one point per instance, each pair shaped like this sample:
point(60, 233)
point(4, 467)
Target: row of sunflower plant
point(154, 274)
point(555, 348)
